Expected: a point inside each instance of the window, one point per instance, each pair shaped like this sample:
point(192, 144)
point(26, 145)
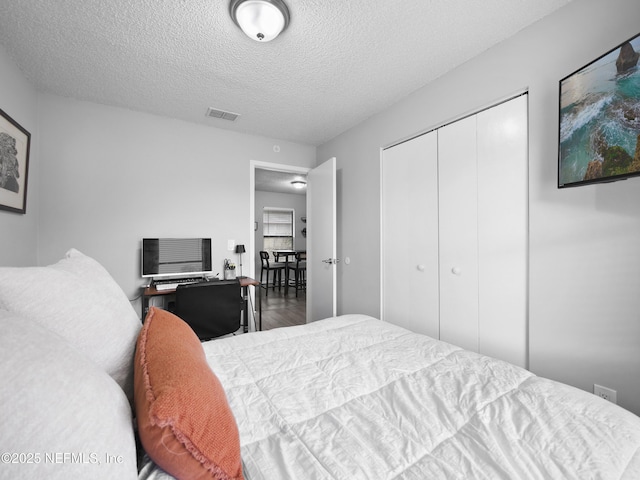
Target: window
point(277, 229)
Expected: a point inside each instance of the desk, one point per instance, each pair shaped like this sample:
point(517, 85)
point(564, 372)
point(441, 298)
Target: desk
point(245, 283)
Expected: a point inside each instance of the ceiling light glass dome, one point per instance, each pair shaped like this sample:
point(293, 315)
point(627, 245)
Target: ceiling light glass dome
point(260, 20)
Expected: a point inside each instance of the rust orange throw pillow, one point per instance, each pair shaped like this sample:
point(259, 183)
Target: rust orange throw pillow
point(184, 420)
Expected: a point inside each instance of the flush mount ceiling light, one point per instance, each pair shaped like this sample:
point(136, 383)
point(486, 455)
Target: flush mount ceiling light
point(299, 183)
point(261, 20)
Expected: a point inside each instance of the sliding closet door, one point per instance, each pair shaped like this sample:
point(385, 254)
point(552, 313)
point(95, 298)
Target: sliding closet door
point(502, 230)
point(409, 211)
point(458, 226)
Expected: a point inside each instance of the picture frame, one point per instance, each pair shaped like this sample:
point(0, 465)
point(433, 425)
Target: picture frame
point(599, 119)
point(15, 145)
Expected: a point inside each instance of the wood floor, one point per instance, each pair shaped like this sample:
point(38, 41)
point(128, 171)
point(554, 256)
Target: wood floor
point(280, 310)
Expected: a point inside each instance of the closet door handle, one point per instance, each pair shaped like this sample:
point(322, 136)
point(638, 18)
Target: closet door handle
point(456, 271)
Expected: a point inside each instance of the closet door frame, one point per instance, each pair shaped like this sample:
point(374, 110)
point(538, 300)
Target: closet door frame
point(514, 331)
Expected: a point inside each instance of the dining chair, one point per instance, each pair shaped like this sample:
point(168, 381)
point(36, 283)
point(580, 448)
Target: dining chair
point(276, 267)
point(299, 268)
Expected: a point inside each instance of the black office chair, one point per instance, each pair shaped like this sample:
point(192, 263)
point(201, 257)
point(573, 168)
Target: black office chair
point(299, 268)
point(277, 268)
point(211, 308)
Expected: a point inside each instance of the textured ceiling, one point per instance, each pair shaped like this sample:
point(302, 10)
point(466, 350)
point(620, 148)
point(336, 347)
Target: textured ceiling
point(278, 182)
point(338, 63)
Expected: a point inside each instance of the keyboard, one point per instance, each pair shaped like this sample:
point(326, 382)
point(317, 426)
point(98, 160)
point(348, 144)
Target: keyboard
point(172, 284)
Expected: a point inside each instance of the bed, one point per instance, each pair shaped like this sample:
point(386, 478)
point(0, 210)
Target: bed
point(89, 392)
point(353, 397)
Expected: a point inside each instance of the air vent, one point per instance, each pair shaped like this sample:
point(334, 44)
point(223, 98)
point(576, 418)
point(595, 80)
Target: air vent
point(215, 113)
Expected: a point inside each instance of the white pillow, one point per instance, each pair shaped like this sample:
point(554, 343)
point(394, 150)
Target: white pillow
point(62, 417)
point(80, 301)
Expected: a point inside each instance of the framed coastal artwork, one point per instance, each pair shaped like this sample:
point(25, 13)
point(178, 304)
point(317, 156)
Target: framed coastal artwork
point(599, 122)
point(15, 143)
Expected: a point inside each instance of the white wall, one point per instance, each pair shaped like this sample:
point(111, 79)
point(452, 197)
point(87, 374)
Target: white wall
point(18, 232)
point(111, 176)
point(584, 314)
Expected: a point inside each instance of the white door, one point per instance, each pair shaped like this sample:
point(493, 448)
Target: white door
point(409, 241)
point(321, 244)
point(502, 231)
point(457, 171)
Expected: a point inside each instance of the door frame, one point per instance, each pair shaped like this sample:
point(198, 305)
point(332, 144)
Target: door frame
point(253, 166)
point(523, 359)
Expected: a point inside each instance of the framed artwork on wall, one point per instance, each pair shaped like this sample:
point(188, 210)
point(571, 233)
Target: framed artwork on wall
point(600, 119)
point(15, 143)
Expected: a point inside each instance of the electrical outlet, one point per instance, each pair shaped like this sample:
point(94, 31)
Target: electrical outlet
point(606, 393)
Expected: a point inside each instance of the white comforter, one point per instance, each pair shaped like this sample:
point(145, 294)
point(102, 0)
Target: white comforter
point(357, 398)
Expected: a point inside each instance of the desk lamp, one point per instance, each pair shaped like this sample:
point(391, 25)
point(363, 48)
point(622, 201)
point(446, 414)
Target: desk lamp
point(240, 250)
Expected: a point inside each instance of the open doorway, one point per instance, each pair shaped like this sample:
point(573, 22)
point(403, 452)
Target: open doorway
point(278, 223)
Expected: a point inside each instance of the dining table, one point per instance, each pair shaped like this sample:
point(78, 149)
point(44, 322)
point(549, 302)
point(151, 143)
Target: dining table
point(279, 256)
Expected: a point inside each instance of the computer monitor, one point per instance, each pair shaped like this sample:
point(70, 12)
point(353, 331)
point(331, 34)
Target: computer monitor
point(176, 257)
